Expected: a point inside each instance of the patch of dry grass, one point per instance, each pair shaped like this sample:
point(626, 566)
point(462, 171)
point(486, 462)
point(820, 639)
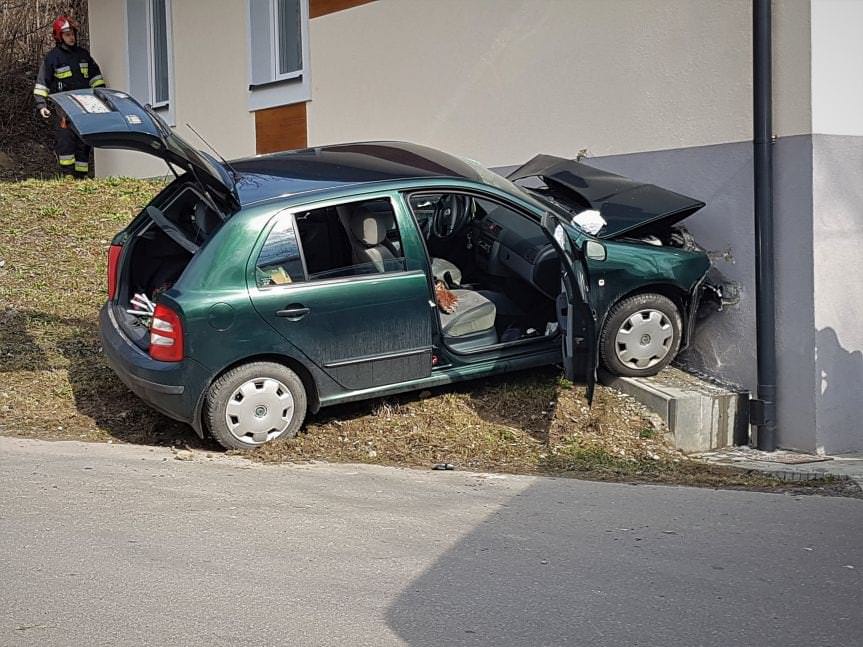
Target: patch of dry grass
point(55, 384)
point(54, 236)
point(524, 422)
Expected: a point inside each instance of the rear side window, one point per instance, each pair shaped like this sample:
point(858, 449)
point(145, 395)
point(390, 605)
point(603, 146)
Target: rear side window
point(280, 261)
point(351, 239)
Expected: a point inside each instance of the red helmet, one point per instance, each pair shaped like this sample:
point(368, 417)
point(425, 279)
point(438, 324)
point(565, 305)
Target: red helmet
point(62, 24)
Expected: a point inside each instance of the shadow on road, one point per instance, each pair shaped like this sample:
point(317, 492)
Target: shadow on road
point(610, 565)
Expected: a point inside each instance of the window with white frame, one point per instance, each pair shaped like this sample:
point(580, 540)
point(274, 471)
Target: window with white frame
point(278, 51)
point(160, 86)
point(148, 25)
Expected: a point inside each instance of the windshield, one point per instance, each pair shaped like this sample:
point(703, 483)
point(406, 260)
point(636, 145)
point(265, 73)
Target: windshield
point(500, 182)
point(542, 193)
point(541, 197)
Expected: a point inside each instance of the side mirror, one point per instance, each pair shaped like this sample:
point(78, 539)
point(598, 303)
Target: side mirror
point(594, 251)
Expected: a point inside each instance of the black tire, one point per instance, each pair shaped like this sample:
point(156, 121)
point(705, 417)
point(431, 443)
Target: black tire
point(613, 354)
point(272, 381)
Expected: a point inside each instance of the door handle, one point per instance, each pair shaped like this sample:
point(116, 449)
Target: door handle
point(293, 312)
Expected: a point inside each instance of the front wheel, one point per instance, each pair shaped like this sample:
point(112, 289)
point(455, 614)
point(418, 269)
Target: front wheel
point(255, 404)
point(641, 335)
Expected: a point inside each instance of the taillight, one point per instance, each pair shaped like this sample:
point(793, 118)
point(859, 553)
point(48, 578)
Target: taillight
point(113, 265)
point(166, 335)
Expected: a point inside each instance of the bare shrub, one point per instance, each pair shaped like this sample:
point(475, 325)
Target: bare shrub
point(25, 38)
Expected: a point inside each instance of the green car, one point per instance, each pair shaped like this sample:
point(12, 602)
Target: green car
point(249, 293)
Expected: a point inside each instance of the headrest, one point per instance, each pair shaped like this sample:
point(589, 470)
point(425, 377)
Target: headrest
point(371, 228)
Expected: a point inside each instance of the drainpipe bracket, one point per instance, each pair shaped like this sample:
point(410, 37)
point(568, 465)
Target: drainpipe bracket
point(762, 412)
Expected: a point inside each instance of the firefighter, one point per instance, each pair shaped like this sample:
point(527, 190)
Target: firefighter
point(67, 67)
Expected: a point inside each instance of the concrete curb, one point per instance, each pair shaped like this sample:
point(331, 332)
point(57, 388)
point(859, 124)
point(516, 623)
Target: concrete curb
point(700, 415)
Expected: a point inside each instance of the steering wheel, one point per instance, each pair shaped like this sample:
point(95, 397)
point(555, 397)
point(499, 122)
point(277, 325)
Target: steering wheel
point(451, 214)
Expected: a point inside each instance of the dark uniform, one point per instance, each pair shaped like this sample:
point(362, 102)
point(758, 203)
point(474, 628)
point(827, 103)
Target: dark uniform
point(67, 68)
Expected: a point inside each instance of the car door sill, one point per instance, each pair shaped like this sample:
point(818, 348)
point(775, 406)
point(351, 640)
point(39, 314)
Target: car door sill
point(516, 343)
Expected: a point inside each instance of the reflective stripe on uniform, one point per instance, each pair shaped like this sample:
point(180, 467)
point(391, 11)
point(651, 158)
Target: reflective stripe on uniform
point(96, 81)
point(66, 160)
point(82, 167)
point(85, 69)
point(40, 90)
point(63, 72)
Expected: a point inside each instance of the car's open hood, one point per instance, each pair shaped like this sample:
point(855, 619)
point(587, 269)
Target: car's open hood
point(112, 119)
point(624, 204)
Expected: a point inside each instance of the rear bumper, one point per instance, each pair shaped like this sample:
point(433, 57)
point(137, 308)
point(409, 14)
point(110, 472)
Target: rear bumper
point(172, 388)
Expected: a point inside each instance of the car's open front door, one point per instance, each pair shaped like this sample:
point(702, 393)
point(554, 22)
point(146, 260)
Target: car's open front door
point(574, 314)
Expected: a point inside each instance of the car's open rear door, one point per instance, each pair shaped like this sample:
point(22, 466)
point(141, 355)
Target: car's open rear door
point(574, 314)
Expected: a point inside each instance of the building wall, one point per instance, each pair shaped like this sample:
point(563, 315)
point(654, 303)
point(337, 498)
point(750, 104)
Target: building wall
point(838, 289)
point(837, 231)
point(722, 176)
point(837, 67)
point(794, 282)
point(499, 80)
point(206, 63)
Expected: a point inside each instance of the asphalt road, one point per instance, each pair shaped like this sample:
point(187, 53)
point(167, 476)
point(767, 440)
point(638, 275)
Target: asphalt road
point(112, 545)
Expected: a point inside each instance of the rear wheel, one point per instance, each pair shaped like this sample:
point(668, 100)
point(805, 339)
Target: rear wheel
point(255, 404)
point(641, 335)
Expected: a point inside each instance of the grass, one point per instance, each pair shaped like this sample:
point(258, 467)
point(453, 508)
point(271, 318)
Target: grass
point(54, 383)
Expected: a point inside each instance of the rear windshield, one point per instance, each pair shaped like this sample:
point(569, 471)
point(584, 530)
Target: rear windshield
point(192, 214)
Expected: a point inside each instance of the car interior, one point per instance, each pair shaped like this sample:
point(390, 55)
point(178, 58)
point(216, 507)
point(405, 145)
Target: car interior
point(497, 262)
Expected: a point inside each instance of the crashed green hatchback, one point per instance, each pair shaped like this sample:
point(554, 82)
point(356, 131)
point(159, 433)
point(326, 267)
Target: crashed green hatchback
point(248, 294)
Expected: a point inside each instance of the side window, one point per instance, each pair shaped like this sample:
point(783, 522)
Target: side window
point(354, 239)
point(350, 240)
point(280, 261)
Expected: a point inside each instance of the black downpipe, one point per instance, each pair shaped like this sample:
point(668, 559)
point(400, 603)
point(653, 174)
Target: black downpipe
point(764, 286)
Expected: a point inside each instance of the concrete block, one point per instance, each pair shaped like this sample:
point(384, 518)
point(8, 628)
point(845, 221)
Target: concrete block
point(700, 415)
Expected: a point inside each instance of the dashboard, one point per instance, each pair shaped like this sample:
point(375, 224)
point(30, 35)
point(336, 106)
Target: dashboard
point(508, 243)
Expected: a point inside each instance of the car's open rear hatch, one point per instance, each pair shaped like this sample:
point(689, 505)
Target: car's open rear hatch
point(112, 119)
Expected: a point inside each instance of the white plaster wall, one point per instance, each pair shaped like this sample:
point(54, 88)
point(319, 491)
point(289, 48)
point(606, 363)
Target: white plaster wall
point(792, 69)
point(837, 67)
point(210, 77)
point(500, 80)
point(838, 294)
point(107, 20)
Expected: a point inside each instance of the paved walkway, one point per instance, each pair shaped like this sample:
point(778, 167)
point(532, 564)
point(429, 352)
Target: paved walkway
point(789, 466)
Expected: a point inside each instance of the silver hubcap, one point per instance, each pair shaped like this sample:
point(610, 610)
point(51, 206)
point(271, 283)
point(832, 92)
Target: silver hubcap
point(644, 339)
point(259, 411)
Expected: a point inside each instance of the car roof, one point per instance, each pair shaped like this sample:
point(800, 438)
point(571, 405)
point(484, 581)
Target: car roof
point(324, 168)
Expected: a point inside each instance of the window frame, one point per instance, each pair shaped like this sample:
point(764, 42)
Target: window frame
point(151, 55)
point(140, 55)
point(277, 89)
point(278, 218)
point(275, 42)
